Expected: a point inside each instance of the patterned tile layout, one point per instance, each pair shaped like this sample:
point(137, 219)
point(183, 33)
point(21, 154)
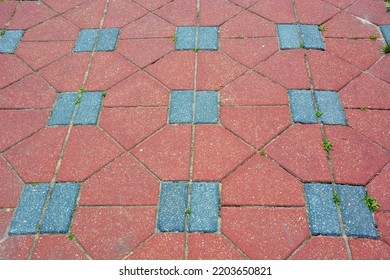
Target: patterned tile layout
point(197, 38)
point(9, 41)
point(105, 40)
point(292, 36)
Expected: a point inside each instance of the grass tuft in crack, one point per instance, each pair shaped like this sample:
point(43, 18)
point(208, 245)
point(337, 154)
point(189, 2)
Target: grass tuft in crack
point(372, 204)
point(327, 146)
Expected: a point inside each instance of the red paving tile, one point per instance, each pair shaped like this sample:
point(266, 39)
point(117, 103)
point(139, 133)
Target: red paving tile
point(379, 188)
point(12, 69)
point(129, 126)
point(267, 8)
point(29, 92)
point(366, 91)
point(87, 15)
point(256, 125)
point(122, 12)
point(7, 10)
point(261, 182)
point(216, 12)
point(87, 151)
point(57, 247)
point(62, 6)
point(122, 182)
point(112, 233)
point(16, 248)
point(67, 74)
point(167, 153)
point(217, 152)
point(253, 89)
point(351, 147)
point(315, 11)
point(138, 90)
point(161, 247)
point(265, 233)
point(29, 14)
point(383, 224)
point(322, 248)
point(35, 158)
point(373, 11)
point(10, 187)
point(179, 12)
point(369, 249)
point(143, 52)
point(287, 68)
point(211, 247)
point(5, 221)
point(304, 142)
point(250, 51)
point(380, 69)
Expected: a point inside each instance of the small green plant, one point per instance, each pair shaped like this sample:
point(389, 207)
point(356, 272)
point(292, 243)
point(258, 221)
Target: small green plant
point(104, 93)
point(78, 100)
point(336, 199)
point(81, 90)
point(2, 32)
point(355, 38)
point(387, 6)
point(322, 28)
point(386, 49)
point(240, 37)
point(263, 154)
point(71, 236)
point(362, 108)
point(196, 50)
point(319, 113)
point(301, 46)
point(372, 204)
point(373, 37)
point(188, 211)
point(174, 38)
point(327, 146)
point(35, 185)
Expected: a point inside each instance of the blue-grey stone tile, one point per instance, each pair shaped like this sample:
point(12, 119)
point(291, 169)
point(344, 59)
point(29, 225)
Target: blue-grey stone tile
point(180, 107)
point(206, 107)
point(311, 37)
point(107, 40)
point(61, 206)
point(29, 210)
point(10, 40)
point(185, 38)
point(385, 29)
point(357, 218)
point(322, 210)
point(172, 207)
point(208, 38)
point(288, 36)
point(330, 106)
point(204, 203)
point(86, 40)
point(89, 108)
point(63, 109)
point(302, 106)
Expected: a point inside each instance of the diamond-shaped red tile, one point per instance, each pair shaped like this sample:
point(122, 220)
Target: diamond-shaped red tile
point(149, 26)
point(143, 52)
point(138, 90)
point(372, 123)
point(7, 10)
point(253, 89)
point(179, 12)
point(35, 159)
point(87, 151)
point(62, 6)
point(330, 72)
point(211, 247)
point(380, 69)
point(217, 152)
point(112, 233)
point(55, 29)
point(366, 91)
point(122, 182)
point(215, 70)
point(266, 8)
point(369, 249)
point(367, 55)
point(67, 74)
point(314, 11)
point(256, 125)
point(265, 233)
point(16, 248)
point(322, 248)
point(176, 70)
point(11, 69)
point(57, 247)
point(161, 247)
point(29, 14)
point(107, 70)
point(121, 12)
point(40, 54)
point(87, 15)
point(10, 187)
point(15, 125)
point(351, 147)
point(262, 182)
point(216, 12)
point(244, 3)
point(250, 51)
point(345, 25)
point(383, 223)
point(167, 153)
point(248, 25)
point(373, 11)
point(129, 126)
point(152, 5)
point(379, 188)
point(29, 92)
point(340, 3)
point(299, 150)
point(288, 68)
